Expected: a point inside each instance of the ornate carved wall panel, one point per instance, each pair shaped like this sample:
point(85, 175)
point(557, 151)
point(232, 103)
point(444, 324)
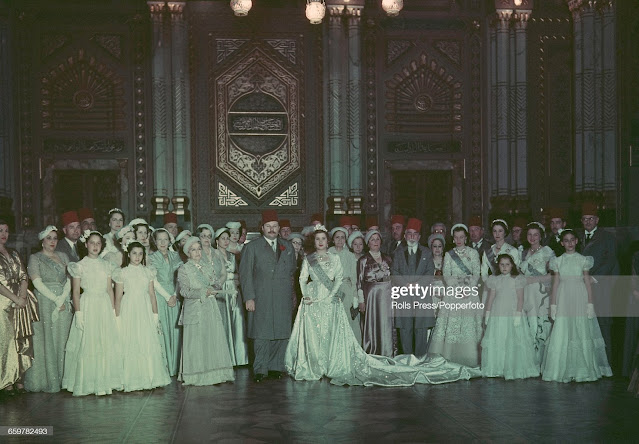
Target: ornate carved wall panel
point(257, 122)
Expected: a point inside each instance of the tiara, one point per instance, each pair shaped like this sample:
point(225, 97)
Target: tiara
point(538, 225)
point(115, 210)
point(502, 221)
point(320, 227)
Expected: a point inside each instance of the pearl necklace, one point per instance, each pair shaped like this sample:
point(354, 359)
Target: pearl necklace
point(376, 255)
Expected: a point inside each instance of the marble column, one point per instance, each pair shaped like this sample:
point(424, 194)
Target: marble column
point(161, 96)
point(595, 100)
point(519, 129)
point(355, 193)
point(7, 157)
point(337, 143)
point(500, 152)
point(181, 155)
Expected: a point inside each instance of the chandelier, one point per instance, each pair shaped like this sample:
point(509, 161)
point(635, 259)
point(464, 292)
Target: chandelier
point(315, 10)
point(241, 8)
point(392, 7)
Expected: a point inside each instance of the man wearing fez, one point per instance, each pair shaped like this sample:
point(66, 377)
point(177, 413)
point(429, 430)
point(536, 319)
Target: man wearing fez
point(397, 233)
point(519, 223)
point(476, 234)
point(413, 264)
point(602, 246)
point(317, 219)
point(371, 223)
point(345, 222)
point(557, 218)
point(87, 220)
point(355, 222)
point(72, 232)
point(285, 228)
point(267, 268)
point(171, 223)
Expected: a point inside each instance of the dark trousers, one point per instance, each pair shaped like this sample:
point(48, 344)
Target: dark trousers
point(269, 355)
point(420, 335)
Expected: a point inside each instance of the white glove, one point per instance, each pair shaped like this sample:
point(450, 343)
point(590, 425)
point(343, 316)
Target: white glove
point(79, 320)
point(553, 312)
point(44, 290)
point(159, 289)
point(590, 311)
point(486, 317)
point(517, 321)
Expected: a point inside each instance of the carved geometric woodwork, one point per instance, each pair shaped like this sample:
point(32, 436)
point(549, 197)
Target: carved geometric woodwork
point(257, 104)
point(424, 97)
point(82, 93)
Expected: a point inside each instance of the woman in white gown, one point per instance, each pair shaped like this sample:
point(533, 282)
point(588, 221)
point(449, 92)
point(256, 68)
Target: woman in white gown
point(457, 333)
point(93, 363)
point(322, 342)
point(136, 309)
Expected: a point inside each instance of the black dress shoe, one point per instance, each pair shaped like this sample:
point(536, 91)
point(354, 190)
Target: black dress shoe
point(258, 377)
point(274, 374)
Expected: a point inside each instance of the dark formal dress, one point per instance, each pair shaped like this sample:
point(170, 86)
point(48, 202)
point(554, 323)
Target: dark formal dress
point(378, 326)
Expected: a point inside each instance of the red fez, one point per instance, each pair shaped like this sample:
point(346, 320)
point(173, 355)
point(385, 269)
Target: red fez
point(317, 216)
point(589, 208)
point(475, 221)
point(398, 219)
point(170, 218)
point(354, 220)
point(285, 223)
point(557, 213)
point(344, 220)
point(69, 217)
point(371, 221)
point(414, 224)
point(269, 216)
point(85, 213)
point(519, 222)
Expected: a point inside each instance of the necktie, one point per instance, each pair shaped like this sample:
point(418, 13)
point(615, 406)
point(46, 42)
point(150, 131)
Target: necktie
point(588, 237)
point(273, 244)
point(475, 244)
point(75, 250)
point(411, 251)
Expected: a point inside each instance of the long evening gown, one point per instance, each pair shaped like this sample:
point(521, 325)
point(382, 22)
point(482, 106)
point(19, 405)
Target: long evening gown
point(171, 332)
point(51, 333)
point(322, 344)
point(205, 353)
point(576, 350)
point(349, 288)
point(507, 351)
point(378, 327)
point(232, 311)
point(144, 364)
point(457, 333)
point(93, 362)
point(537, 300)
point(16, 355)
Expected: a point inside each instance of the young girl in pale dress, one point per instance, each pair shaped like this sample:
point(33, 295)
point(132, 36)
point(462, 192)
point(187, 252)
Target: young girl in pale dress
point(506, 348)
point(136, 308)
point(576, 349)
point(93, 363)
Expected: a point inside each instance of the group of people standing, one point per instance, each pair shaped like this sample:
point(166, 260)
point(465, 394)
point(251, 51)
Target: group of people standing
point(129, 309)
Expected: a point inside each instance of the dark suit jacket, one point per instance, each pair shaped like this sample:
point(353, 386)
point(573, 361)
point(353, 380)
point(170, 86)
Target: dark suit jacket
point(267, 278)
point(603, 248)
point(64, 247)
point(390, 246)
point(423, 276)
point(552, 242)
point(483, 248)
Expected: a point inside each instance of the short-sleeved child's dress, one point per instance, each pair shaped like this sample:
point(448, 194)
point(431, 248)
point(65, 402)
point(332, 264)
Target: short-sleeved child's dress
point(144, 363)
point(507, 351)
point(576, 349)
point(93, 363)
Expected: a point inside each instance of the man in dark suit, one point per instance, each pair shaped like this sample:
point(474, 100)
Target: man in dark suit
point(398, 222)
point(476, 234)
point(413, 264)
point(602, 246)
point(71, 229)
point(557, 218)
point(87, 219)
point(267, 268)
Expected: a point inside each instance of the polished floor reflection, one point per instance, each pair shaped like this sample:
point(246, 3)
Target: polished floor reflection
point(283, 410)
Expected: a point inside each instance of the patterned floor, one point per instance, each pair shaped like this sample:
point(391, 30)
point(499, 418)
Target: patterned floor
point(488, 410)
